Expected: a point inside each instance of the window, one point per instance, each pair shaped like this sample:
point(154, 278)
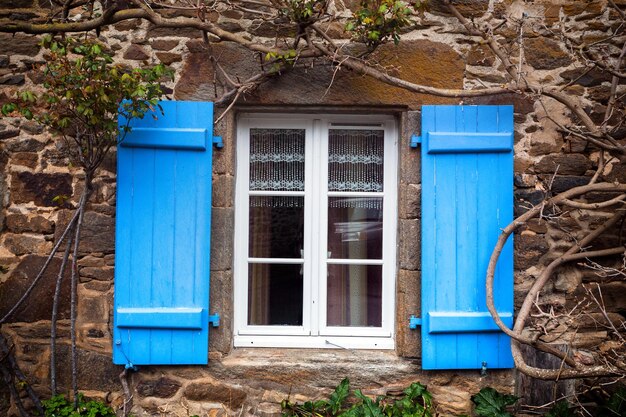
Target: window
point(315, 231)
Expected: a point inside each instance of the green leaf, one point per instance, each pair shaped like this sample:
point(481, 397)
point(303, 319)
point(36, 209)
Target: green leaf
point(491, 403)
point(338, 397)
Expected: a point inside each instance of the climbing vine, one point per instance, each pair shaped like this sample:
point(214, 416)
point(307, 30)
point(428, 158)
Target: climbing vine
point(84, 93)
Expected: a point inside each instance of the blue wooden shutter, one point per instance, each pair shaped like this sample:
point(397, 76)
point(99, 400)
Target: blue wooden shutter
point(162, 237)
point(467, 197)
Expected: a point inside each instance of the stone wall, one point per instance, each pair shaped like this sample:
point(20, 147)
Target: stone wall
point(254, 381)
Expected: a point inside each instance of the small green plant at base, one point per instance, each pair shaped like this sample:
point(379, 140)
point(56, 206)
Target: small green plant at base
point(415, 401)
point(59, 406)
point(491, 403)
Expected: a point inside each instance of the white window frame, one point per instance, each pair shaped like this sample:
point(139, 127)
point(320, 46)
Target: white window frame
point(313, 333)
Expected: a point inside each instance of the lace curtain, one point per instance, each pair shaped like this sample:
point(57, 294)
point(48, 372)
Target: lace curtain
point(355, 163)
point(277, 163)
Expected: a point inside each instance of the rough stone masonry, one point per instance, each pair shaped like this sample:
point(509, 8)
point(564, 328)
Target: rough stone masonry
point(254, 381)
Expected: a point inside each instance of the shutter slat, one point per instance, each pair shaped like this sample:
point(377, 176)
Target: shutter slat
point(466, 199)
point(163, 236)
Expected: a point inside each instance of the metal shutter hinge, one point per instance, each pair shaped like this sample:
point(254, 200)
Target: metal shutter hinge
point(414, 322)
point(214, 319)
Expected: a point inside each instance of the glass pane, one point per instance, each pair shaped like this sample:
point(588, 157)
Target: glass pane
point(355, 228)
point(355, 160)
point(274, 294)
point(354, 295)
point(277, 159)
point(276, 227)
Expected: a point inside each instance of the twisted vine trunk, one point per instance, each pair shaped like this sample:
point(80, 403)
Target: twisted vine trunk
point(10, 371)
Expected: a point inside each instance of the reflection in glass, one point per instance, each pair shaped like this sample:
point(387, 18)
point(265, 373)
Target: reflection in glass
point(354, 295)
point(355, 227)
point(274, 294)
point(276, 227)
point(277, 159)
point(355, 160)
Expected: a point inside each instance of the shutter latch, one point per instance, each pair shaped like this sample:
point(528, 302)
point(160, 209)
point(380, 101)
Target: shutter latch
point(415, 140)
point(214, 319)
point(414, 322)
point(218, 142)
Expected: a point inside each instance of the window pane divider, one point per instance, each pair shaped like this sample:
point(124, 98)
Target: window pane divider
point(355, 194)
point(270, 193)
point(355, 261)
point(276, 260)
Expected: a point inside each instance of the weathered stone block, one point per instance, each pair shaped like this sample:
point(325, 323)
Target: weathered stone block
point(26, 159)
point(20, 244)
point(408, 303)
point(40, 330)
point(468, 8)
point(38, 305)
point(220, 338)
point(162, 388)
point(451, 400)
point(422, 61)
point(160, 32)
point(568, 279)
point(617, 172)
point(93, 307)
point(564, 164)
point(97, 232)
point(164, 44)
point(223, 191)
point(481, 55)
point(524, 180)
point(136, 52)
point(8, 133)
point(52, 157)
point(565, 182)
point(222, 226)
point(410, 245)
point(103, 273)
point(572, 8)
point(95, 371)
point(20, 223)
point(543, 54)
point(126, 25)
point(526, 199)
point(522, 105)
point(168, 58)
point(586, 78)
point(528, 250)
point(39, 187)
point(19, 44)
point(230, 396)
point(410, 201)
point(410, 166)
point(15, 4)
point(12, 79)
